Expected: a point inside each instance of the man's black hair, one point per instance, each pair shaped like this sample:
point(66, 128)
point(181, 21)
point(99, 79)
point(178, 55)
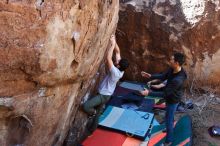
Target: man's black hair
point(180, 58)
point(123, 64)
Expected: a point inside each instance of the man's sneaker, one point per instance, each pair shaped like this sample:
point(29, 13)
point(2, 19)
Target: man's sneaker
point(162, 122)
point(164, 131)
point(88, 132)
point(166, 144)
point(93, 115)
point(160, 101)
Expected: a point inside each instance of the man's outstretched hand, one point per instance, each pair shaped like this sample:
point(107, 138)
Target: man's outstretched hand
point(144, 92)
point(146, 75)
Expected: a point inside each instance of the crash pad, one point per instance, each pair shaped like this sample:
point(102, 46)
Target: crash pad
point(133, 123)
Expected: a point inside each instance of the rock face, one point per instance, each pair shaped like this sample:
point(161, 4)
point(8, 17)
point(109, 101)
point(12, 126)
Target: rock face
point(50, 54)
point(149, 31)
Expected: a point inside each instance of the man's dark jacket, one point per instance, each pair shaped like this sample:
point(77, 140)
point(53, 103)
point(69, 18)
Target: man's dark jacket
point(173, 90)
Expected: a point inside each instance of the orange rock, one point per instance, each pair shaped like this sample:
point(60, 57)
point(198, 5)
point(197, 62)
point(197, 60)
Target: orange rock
point(149, 32)
point(47, 50)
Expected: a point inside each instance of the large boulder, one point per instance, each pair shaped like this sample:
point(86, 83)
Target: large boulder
point(50, 53)
point(149, 31)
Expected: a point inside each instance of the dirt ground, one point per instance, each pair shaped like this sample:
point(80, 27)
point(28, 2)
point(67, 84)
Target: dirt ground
point(201, 121)
point(206, 113)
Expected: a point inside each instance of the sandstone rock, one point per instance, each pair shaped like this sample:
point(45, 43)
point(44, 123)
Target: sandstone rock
point(50, 53)
point(150, 31)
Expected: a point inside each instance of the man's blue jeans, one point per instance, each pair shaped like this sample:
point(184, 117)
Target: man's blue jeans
point(170, 111)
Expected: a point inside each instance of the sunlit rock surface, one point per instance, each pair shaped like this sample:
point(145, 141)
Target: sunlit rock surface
point(149, 31)
point(50, 53)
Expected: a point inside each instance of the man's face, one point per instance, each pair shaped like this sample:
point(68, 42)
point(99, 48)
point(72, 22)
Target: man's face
point(172, 63)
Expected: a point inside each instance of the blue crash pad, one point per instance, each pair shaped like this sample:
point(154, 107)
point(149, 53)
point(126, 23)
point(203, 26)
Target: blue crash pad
point(133, 85)
point(134, 123)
